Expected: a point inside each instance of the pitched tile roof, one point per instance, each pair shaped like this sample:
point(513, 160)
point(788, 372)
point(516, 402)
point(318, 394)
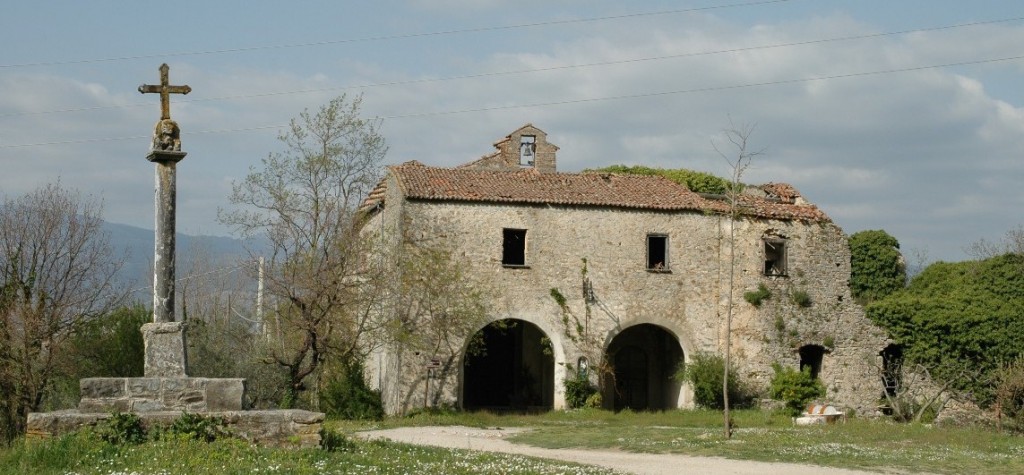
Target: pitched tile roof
point(418, 181)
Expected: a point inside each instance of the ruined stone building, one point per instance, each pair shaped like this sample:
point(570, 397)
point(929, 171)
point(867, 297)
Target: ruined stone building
point(641, 263)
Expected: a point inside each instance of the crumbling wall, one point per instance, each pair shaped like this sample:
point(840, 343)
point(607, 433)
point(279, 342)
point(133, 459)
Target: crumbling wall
point(687, 297)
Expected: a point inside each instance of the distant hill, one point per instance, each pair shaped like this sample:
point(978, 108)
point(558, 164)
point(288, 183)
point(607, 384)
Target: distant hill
point(136, 244)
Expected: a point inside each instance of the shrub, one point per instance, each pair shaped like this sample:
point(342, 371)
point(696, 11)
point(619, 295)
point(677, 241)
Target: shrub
point(121, 428)
point(332, 441)
point(347, 396)
point(704, 373)
point(801, 298)
point(579, 391)
point(795, 388)
point(196, 427)
point(757, 296)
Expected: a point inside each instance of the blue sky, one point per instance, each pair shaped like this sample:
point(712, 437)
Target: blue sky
point(931, 154)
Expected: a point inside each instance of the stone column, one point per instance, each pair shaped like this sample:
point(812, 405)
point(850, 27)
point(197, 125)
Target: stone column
point(164, 338)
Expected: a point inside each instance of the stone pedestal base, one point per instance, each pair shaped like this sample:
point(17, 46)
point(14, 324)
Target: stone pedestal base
point(161, 394)
point(292, 428)
point(165, 350)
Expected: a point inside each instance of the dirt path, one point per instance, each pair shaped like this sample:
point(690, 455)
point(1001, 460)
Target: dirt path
point(493, 440)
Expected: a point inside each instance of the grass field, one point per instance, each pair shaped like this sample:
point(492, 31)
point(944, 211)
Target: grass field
point(859, 443)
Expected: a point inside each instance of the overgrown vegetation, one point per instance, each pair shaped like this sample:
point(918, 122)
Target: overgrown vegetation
point(877, 268)
point(795, 388)
point(757, 297)
point(961, 321)
point(347, 396)
point(698, 182)
point(704, 373)
point(580, 391)
point(801, 298)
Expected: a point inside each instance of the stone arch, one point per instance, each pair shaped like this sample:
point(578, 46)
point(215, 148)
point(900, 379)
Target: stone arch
point(644, 358)
point(513, 370)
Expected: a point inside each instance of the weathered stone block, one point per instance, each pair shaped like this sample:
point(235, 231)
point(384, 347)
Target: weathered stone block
point(143, 387)
point(102, 387)
point(104, 405)
point(164, 349)
point(225, 394)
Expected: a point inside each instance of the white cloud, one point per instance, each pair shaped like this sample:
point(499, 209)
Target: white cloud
point(892, 151)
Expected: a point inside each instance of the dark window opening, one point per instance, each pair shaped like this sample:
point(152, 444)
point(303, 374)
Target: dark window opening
point(513, 247)
point(657, 252)
point(892, 366)
point(810, 359)
point(774, 257)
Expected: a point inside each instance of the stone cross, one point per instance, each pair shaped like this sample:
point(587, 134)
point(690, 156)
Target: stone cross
point(165, 337)
point(165, 90)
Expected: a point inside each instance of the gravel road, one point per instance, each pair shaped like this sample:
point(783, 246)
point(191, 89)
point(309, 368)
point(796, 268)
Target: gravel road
point(493, 440)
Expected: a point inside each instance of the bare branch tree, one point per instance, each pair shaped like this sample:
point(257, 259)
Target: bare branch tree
point(304, 202)
point(738, 156)
point(56, 272)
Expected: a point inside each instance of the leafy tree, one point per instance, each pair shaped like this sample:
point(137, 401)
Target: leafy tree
point(699, 182)
point(960, 320)
point(56, 273)
point(304, 201)
point(877, 268)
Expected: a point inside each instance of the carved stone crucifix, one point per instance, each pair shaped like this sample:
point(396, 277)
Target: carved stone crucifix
point(165, 90)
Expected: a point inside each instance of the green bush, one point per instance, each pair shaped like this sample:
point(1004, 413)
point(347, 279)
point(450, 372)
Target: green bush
point(801, 298)
point(332, 441)
point(121, 428)
point(578, 391)
point(960, 318)
point(758, 296)
point(347, 396)
point(877, 269)
point(795, 388)
point(704, 373)
point(196, 427)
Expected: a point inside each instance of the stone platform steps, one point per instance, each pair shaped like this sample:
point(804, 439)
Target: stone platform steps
point(293, 428)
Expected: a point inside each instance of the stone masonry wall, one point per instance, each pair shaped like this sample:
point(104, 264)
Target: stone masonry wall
point(688, 299)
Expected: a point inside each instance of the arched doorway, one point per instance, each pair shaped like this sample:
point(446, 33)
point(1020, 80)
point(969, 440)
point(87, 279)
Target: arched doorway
point(511, 370)
point(645, 358)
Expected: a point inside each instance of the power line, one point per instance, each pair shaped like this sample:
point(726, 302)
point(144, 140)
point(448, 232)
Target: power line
point(536, 70)
point(397, 37)
point(571, 101)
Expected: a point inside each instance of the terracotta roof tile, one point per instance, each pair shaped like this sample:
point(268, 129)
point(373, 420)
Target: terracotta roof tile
point(588, 189)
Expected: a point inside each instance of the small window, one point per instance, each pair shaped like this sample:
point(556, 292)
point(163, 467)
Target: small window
point(811, 357)
point(657, 252)
point(775, 257)
point(527, 150)
point(513, 247)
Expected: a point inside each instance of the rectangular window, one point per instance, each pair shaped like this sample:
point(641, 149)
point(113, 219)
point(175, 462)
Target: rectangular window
point(657, 252)
point(513, 247)
point(774, 257)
